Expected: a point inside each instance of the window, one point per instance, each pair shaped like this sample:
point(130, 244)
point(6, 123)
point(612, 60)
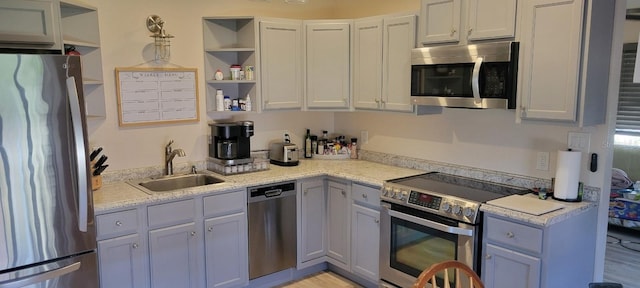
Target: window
point(628, 119)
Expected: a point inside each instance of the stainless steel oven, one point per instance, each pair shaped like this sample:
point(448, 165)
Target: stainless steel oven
point(430, 218)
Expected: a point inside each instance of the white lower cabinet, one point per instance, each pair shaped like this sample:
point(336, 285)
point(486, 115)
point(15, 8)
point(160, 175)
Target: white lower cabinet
point(226, 251)
point(365, 242)
point(508, 268)
point(518, 254)
point(192, 243)
point(122, 253)
point(338, 235)
point(174, 256)
point(365, 231)
point(312, 215)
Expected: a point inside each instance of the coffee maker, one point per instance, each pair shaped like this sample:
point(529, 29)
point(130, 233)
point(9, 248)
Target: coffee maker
point(231, 143)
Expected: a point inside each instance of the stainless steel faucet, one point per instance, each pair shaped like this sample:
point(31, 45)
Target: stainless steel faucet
point(169, 154)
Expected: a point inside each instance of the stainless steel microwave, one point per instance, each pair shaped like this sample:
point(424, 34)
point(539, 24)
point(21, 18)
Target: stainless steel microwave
point(465, 76)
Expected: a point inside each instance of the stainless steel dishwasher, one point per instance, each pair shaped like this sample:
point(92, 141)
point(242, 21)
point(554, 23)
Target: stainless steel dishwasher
point(272, 228)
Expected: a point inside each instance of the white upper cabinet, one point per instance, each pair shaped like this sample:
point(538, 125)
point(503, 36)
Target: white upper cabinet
point(440, 21)
point(33, 24)
point(462, 21)
point(382, 62)
point(399, 38)
point(367, 63)
point(328, 64)
point(554, 82)
point(491, 19)
point(281, 62)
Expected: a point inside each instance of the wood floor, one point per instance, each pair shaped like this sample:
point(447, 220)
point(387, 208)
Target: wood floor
point(622, 257)
point(622, 265)
point(322, 280)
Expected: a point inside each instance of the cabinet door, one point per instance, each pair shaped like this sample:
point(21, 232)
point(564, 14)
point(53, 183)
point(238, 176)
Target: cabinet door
point(174, 256)
point(440, 21)
point(328, 63)
point(399, 39)
point(121, 262)
point(281, 62)
point(338, 226)
point(365, 239)
point(550, 44)
point(226, 251)
point(491, 19)
point(504, 268)
point(312, 226)
point(30, 24)
point(367, 64)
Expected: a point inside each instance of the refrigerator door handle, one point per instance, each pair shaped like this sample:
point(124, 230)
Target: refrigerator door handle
point(40, 277)
point(76, 119)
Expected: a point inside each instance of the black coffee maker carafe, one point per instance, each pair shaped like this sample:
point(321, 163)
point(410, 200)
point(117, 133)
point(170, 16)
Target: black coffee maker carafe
point(231, 140)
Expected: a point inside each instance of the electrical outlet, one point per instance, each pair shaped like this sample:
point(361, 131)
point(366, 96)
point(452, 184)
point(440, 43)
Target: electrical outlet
point(542, 161)
point(579, 141)
point(364, 136)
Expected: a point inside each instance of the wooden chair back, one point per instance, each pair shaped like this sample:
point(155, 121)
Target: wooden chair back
point(463, 274)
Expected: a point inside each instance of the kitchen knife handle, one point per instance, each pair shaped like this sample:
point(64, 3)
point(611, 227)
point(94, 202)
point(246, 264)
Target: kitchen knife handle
point(83, 187)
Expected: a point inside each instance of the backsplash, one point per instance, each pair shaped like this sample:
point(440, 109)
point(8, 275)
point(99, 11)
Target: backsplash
point(591, 194)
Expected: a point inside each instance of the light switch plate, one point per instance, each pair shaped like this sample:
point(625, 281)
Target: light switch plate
point(579, 141)
point(364, 136)
point(542, 161)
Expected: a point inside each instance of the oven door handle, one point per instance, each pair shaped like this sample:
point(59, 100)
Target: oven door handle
point(431, 224)
point(475, 80)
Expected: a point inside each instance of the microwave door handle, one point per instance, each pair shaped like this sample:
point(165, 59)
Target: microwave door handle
point(475, 86)
point(431, 224)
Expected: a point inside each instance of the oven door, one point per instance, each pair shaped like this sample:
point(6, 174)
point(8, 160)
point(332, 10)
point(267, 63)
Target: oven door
point(412, 240)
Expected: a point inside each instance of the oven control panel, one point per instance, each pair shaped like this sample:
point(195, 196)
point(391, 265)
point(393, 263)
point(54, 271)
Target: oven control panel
point(425, 200)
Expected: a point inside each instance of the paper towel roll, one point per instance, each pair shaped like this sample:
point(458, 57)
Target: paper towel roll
point(567, 175)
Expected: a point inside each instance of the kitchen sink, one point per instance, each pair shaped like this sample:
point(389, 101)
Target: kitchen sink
point(175, 182)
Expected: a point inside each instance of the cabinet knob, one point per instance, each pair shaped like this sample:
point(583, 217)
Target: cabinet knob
point(382, 101)
point(210, 229)
point(377, 221)
point(453, 30)
point(118, 223)
point(523, 111)
point(193, 233)
point(470, 30)
point(364, 196)
point(134, 245)
point(510, 235)
point(488, 256)
point(343, 193)
point(377, 101)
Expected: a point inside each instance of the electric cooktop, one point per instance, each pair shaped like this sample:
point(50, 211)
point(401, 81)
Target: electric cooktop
point(448, 195)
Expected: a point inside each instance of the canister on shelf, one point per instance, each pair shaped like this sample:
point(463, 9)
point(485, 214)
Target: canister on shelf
point(235, 72)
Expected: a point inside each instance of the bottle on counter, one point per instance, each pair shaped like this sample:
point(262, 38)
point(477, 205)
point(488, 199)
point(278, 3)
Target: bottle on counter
point(307, 145)
point(353, 148)
point(314, 144)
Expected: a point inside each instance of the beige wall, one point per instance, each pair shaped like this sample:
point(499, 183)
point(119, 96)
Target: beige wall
point(488, 139)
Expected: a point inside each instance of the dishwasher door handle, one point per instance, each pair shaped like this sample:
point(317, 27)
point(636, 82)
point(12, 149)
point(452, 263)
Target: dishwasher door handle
point(272, 193)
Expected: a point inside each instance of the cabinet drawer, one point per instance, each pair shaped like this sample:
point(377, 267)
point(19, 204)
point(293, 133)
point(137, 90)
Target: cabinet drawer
point(365, 194)
point(514, 234)
point(226, 203)
point(117, 224)
point(171, 213)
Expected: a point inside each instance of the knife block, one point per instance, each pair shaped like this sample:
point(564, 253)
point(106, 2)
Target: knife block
point(96, 181)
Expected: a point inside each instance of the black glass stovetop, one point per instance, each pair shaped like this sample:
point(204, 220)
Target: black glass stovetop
point(458, 186)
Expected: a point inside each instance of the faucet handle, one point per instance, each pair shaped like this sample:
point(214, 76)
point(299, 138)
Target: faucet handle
point(169, 144)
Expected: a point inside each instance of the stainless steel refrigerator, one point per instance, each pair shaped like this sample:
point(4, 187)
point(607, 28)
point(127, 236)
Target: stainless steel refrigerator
point(47, 229)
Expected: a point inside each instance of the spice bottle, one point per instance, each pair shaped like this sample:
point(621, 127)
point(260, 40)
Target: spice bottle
point(219, 100)
point(307, 145)
point(353, 148)
point(227, 103)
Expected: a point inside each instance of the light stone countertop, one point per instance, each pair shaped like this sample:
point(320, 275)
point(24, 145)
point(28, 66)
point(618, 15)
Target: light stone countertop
point(120, 195)
point(571, 209)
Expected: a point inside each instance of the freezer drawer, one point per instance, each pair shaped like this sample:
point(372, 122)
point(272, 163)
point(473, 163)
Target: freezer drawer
point(79, 271)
